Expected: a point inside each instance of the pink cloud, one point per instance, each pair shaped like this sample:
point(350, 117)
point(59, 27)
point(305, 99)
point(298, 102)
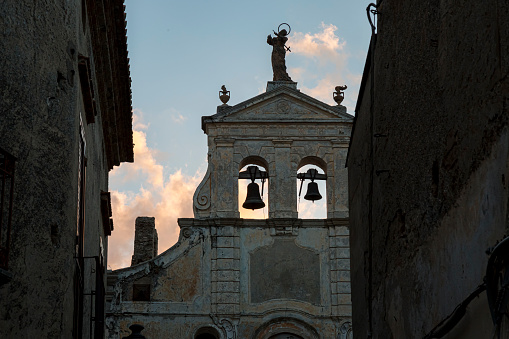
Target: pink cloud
point(322, 44)
point(327, 54)
point(165, 198)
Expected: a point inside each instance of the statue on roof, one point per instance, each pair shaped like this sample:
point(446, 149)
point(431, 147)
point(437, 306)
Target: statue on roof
point(278, 53)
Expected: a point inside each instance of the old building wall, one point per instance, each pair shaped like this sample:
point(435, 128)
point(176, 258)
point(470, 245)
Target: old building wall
point(37, 128)
point(44, 113)
point(359, 196)
point(245, 278)
point(437, 173)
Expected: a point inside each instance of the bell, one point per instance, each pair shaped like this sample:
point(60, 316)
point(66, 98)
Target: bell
point(312, 193)
point(253, 199)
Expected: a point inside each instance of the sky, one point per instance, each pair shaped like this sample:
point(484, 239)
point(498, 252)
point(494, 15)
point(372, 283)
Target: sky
point(181, 52)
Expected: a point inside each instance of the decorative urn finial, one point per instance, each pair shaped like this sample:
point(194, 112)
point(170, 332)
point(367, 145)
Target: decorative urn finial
point(224, 95)
point(339, 95)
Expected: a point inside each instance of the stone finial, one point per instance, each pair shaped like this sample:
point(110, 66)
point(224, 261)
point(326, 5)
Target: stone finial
point(145, 240)
point(224, 95)
point(339, 94)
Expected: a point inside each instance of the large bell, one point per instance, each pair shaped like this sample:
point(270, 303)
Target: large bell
point(312, 193)
point(253, 199)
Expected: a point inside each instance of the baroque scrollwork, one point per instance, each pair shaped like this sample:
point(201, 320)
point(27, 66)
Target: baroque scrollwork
point(227, 325)
point(345, 331)
point(187, 232)
point(201, 198)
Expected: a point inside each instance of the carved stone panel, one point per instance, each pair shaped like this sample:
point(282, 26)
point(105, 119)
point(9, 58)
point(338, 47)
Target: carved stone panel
point(284, 270)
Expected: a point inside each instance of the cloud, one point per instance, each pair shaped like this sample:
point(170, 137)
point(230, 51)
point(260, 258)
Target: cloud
point(165, 198)
point(312, 210)
point(138, 123)
point(327, 53)
point(178, 118)
point(175, 115)
point(324, 44)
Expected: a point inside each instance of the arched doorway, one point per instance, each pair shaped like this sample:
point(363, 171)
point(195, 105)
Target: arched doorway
point(286, 336)
point(207, 333)
point(285, 328)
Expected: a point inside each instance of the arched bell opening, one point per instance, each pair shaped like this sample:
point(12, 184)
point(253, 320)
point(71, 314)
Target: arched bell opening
point(253, 188)
point(312, 189)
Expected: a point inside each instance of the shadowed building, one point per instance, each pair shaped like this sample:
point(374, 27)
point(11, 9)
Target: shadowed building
point(428, 171)
point(228, 277)
point(65, 121)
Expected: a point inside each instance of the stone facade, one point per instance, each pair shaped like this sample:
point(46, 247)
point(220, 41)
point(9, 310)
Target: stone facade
point(65, 115)
point(243, 278)
point(428, 167)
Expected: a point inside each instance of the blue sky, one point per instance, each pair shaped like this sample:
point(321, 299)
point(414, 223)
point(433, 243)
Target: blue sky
point(181, 52)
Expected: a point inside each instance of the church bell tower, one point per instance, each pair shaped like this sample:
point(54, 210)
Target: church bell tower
point(278, 277)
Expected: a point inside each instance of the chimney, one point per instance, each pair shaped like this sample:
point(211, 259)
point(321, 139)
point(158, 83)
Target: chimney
point(145, 240)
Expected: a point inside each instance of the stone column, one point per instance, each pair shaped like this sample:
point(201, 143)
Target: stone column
point(224, 197)
point(283, 191)
point(145, 240)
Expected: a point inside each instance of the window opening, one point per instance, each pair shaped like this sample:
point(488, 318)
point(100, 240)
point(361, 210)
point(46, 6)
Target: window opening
point(141, 292)
point(79, 265)
point(255, 196)
point(7, 162)
point(311, 193)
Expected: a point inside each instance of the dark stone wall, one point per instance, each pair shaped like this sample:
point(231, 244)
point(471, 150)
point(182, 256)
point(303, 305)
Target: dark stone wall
point(438, 177)
point(359, 191)
point(41, 107)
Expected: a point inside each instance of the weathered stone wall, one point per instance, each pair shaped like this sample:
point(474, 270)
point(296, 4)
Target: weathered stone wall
point(145, 240)
point(428, 177)
point(244, 278)
point(41, 106)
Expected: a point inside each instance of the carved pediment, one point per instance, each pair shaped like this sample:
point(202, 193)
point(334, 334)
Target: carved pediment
point(280, 108)
point(283, 104)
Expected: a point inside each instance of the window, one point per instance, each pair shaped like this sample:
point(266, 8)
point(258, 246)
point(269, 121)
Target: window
point(87, 88)
point(7, 163)
point(141, 292)
point(79, 255)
